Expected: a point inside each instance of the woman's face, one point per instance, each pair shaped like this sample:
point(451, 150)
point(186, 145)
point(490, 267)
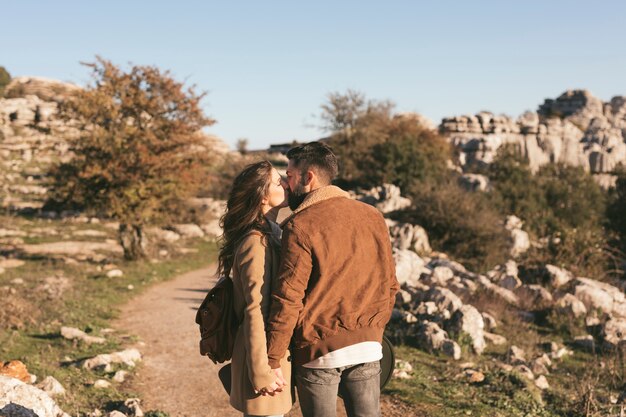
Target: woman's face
point(277, 191)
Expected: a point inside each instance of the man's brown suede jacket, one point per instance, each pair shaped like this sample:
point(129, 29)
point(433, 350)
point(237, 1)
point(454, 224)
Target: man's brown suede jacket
point(337, 281)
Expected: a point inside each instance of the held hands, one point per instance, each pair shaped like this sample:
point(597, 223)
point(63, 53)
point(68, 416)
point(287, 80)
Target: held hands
point(276, 386)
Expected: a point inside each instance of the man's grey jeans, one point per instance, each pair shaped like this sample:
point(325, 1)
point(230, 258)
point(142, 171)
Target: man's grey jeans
point(359, 386)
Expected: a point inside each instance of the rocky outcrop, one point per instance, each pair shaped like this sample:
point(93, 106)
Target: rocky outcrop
point(43, 88)
point(576, 128)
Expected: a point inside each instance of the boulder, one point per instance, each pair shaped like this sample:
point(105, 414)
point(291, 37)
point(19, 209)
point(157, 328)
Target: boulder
point(386, 198)
point(409, 236)
point(115, 273)
point(51, 386)
point(467, 320)
point(20, 399)
point(128, 357)
point(409, 266)
point(73, 333)
point(542, 383)
point(516, 355)
point(571, 306)
point(451, 349)
point(444, 299)
point(430, 336)
point(614, 332)
point(558, 276)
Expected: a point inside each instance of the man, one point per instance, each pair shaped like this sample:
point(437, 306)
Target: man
point(336, 290)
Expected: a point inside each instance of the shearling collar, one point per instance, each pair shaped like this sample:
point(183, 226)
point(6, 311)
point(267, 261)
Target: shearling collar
point(317, 196)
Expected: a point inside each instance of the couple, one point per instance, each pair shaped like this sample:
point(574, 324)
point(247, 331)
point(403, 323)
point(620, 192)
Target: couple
point(314, 302)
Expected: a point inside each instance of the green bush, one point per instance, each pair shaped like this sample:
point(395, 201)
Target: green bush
point(460, 223)
point(5, 79)
point(560, 204)
point(616, 211)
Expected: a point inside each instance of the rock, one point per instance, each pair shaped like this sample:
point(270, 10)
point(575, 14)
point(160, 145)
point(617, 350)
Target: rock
point(510, 282)
point(520, 242)
point(116, 413)
point(575, 129)
point(46, 89)
point(402, 370)
point(516, 355)
point(475, 182)
point(163, 235)
point(386, 198)
point(20, 399)
point(495, 339)
point(430, 336)
point(409, 266)
point(467, 320)
point(132, 407)
point(497, 291)
point(444, 299)
point(524, 371)
point(571, 306)
point(614, 332)
point(73, 333)
point(441, 275)
point(558, 276)
point(541, 364)
point(212, 228)
point(188, 230)
point(115, 273)
point(535, 297)
point(489, 320)
point(120, 376)
point(17, 281)
point(542, 383)
point(128, 357)
point(15, 369)
point(51, 386)
point(102, 383)
point(598, 295)
point(452, 349)
point(409, 236)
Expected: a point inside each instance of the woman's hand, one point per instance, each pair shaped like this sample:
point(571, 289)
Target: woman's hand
point(275, 387)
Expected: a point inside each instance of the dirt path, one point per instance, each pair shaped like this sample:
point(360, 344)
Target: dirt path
point(174, 377)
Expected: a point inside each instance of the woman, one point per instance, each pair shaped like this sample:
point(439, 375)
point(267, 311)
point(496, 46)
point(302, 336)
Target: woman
point(249, 253)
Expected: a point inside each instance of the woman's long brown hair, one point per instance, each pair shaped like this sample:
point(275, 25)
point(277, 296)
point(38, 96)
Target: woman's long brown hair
point(243, 211)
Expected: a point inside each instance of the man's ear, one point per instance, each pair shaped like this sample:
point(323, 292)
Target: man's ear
point(310, 176)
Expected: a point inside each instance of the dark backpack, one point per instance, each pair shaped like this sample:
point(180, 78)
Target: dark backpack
point(218, 323)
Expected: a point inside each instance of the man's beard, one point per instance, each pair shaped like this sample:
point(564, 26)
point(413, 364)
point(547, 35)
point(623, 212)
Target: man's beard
point(296, 197)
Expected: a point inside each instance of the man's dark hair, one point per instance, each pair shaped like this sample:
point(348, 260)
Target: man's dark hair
point(315, 156)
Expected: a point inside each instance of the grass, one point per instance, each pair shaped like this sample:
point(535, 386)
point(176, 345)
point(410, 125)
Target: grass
point(89, 303)
point(439, 388)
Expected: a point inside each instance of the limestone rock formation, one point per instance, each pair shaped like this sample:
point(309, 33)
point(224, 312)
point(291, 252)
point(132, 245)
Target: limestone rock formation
point(576, 128)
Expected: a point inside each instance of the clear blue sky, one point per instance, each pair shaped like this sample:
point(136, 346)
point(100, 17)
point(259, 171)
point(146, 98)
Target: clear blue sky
point(268, 65)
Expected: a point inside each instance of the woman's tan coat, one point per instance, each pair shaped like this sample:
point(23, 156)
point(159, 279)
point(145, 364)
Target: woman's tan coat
point(255, 267)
